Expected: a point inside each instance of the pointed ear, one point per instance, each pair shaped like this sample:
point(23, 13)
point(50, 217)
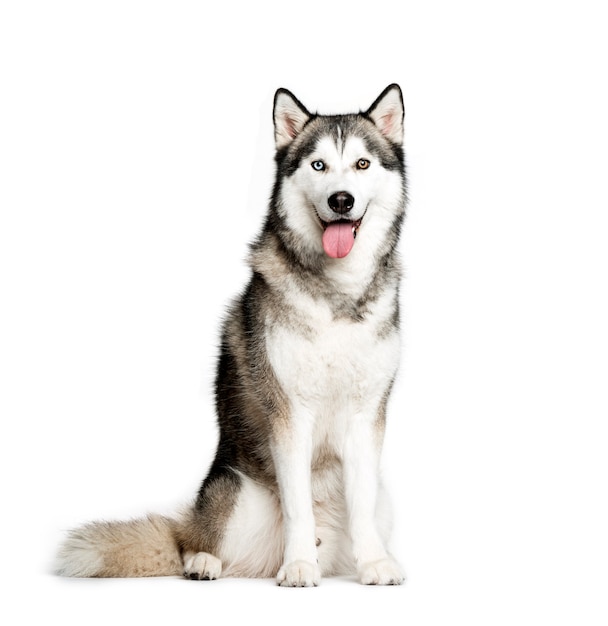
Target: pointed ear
point(387, 113)
point(290, 116)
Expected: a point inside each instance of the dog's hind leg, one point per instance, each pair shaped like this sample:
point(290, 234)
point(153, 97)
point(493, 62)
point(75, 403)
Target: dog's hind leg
point(202, 530)
point(252, 545)
point(201, 566)
point(235, 529)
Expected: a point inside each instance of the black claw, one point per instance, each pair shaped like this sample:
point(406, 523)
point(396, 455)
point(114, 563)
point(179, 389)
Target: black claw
point(198, 576)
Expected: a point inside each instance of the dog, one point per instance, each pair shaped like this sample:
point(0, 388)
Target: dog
point(309, 354)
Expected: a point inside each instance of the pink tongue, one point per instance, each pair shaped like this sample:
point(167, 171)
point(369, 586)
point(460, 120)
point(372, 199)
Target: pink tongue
point(338, 239)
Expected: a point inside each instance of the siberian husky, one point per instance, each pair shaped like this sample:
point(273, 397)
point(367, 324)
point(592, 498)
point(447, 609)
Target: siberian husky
point(308, 356)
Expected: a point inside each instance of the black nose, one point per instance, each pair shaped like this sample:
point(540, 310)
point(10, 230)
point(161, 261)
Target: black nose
point(341, 202)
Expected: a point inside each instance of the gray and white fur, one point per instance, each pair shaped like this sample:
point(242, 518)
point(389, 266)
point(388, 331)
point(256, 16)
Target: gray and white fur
point(308, 356)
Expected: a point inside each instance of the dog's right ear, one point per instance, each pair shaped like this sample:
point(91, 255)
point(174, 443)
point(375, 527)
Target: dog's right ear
point(387, 113)
point(290, 117)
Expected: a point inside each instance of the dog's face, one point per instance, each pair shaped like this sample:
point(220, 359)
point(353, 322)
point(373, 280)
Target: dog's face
point(341, 176)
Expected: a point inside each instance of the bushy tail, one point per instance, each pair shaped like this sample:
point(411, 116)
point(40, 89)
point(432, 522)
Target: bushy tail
point(141, 547)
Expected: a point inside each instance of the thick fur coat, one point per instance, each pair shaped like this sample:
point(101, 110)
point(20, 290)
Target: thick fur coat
point(308, 356)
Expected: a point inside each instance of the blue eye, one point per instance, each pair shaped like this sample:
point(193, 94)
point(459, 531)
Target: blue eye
point(319, 166)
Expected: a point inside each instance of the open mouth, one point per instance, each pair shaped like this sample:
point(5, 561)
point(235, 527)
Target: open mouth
point(339, 237)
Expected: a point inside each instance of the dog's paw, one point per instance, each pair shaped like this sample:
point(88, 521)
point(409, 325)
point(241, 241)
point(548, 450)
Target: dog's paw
point(383, 572)
point(299, 574)
point(201, 566)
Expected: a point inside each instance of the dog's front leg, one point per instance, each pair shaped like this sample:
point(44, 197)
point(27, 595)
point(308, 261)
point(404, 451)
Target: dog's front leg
point(361, 479)
point(292, 450)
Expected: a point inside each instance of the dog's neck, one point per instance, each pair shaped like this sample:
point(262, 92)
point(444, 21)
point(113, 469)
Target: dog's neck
point(351, 281)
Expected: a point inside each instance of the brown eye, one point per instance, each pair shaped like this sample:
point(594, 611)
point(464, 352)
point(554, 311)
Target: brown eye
point(362, 164)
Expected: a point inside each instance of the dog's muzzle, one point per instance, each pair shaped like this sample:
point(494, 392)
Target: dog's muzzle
point(339, 234)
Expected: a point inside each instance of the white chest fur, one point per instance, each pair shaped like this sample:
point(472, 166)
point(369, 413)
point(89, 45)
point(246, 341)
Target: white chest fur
point(339, 369)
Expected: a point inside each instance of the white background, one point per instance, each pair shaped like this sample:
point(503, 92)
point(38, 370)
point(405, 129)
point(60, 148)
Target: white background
point(135, 164)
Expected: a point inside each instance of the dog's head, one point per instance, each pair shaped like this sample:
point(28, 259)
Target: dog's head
point(340, 177)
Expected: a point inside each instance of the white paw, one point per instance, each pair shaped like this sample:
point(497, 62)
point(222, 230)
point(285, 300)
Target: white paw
point(383, 572)
point(299, 574)
point(201, 566)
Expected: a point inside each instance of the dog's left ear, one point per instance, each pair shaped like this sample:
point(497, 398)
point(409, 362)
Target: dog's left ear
point(387, 113)
point(290, 117)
